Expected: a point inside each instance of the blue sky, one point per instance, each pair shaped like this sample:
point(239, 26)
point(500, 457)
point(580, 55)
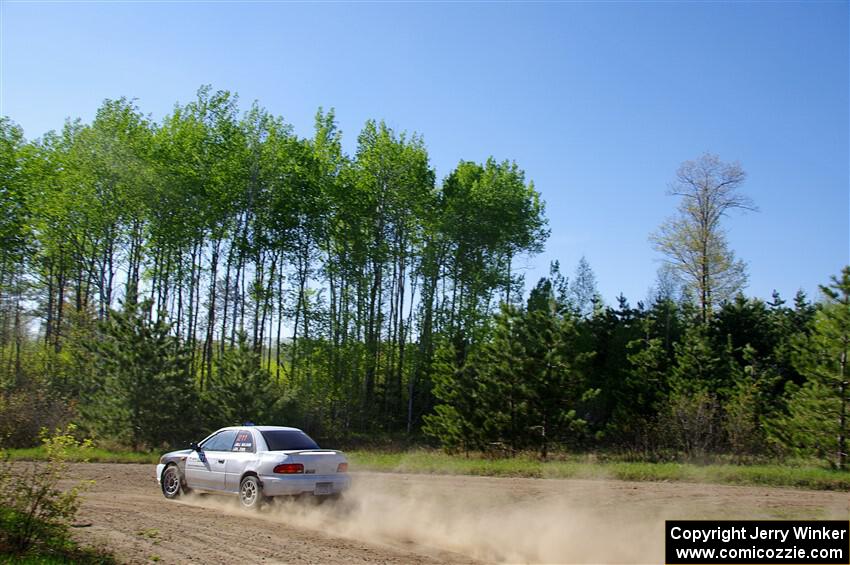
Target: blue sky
point(598, 102)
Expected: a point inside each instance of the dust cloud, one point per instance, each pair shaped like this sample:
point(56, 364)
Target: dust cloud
point(478, 521)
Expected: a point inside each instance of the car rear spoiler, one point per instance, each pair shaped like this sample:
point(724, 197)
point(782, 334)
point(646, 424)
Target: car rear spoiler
point(302, 451)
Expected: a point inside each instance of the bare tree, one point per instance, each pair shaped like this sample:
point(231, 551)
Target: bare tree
point(694, 241)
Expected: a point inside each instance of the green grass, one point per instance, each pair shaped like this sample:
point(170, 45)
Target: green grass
point(437, 462)
point(810, 477)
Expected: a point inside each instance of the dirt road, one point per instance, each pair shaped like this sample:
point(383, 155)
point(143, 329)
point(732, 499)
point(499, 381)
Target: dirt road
point(412, 519)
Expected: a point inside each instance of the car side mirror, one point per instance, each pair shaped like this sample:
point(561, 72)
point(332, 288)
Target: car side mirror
point(194, 446)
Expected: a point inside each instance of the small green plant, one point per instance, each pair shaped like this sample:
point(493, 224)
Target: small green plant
point(149, 533)
point(34, 511)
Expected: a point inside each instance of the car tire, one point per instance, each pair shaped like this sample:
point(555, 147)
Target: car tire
point(172, 482)
point(250, 493)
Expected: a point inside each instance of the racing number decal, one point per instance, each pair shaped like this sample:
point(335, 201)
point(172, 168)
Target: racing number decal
point(244, 442)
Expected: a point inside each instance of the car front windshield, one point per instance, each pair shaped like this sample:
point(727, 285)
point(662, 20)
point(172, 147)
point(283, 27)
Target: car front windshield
point(286, 440)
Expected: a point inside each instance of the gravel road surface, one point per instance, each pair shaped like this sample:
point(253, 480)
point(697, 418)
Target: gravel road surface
point(413, 519)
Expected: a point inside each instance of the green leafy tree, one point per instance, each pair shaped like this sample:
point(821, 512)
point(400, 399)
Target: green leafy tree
point(694, 242)
point(393, 184)
point(14, 221)
point(16, 248)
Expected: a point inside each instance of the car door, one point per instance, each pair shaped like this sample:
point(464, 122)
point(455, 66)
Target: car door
point(205, 467)
point(239, 459)
point(197, 467)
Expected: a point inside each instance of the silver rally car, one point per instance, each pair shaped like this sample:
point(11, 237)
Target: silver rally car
point(255, 462)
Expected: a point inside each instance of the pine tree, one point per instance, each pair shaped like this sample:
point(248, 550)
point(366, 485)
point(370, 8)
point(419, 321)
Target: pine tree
point(144, 393)
point(698, 364)
point(503, 384)
point(690, 417)
point(239, 389)
point(645, 384)
point(748, 403)
point(523, 387)
point(457, 419)
point(817, 420)
point(553, 368)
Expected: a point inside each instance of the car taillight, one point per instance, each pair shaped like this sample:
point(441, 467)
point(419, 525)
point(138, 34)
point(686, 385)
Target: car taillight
point(289, 468)
point(342, 468)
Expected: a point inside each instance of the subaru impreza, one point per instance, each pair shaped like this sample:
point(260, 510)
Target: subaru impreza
point(255, 463)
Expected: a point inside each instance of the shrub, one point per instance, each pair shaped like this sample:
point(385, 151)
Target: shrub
point(691, 422)
point(35, 511)
point(25, 411)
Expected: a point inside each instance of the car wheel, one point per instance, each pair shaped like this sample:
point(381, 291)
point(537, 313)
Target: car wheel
point(250, 493)
point(172, 482)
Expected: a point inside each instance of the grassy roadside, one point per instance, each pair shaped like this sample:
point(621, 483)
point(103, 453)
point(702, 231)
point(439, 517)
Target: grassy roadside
point(437, 462)
point(88, 455)
point(775, 475)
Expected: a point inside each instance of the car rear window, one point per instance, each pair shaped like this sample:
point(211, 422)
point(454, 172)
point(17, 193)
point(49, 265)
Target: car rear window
point(285, 440)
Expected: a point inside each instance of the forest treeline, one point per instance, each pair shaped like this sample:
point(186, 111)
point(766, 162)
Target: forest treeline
point(161, 278)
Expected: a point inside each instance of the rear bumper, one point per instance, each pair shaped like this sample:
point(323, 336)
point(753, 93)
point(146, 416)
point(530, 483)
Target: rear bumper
point(276, 485)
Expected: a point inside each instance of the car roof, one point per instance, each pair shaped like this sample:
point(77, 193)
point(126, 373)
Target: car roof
point(262, 428)
point(273, 428)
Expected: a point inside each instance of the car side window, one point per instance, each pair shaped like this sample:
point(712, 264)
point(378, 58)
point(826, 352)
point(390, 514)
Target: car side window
point(244, 442)
point(221, 441)
point(209, 442)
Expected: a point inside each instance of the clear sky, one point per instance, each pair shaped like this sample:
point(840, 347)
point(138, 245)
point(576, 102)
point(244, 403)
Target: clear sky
point(598, 102)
